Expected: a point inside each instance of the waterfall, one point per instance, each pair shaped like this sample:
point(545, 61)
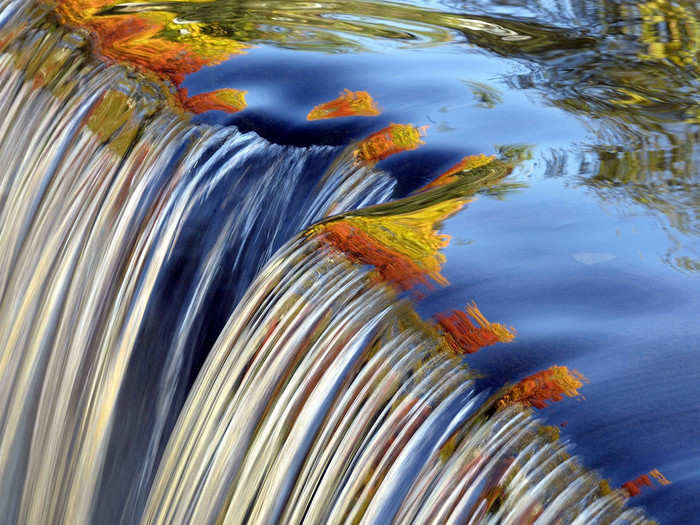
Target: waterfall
point(173, 351)
point(325, 400)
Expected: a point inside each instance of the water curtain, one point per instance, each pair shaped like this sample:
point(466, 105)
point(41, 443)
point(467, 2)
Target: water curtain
point(197, 328)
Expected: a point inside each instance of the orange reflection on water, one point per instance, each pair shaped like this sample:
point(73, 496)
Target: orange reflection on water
point(156, 44)
point(658, 476)
point(348, 104)
point(634, 486)
point(228, 100)
point(404, 248)
point(393, 139)
point(464, 337)
point(550, 385)
point(360, 247)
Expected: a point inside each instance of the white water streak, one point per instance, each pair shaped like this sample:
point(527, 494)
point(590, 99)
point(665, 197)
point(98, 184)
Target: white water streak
point(86, 237)
point(323, 400)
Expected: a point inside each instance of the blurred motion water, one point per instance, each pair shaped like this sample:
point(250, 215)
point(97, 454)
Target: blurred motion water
point(231, 286)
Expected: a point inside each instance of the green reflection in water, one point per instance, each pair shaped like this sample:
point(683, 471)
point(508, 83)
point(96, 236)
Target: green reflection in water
point(640, 84)
point(343, 26)
point(486, 96)
point(630, 69)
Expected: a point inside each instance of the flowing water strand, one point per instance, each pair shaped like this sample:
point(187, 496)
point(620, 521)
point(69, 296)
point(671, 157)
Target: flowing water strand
point(327, 400)
point(126, 233)
point(9, 10)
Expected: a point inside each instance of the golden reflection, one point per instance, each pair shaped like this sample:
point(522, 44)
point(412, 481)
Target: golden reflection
point(541, 388)
point(670, 30)
point(156, 43)
point(228, 100)
point(400, 239)
point(338, 26)
point(403, 247)
point(467, 163)
point(348, 104)
point(393, 139)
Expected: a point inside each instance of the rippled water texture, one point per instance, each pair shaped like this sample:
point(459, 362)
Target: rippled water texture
point(349, 262)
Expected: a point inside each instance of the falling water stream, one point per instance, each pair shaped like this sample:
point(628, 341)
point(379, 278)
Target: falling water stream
point(161, 213)
point(198, 325)
point(323, 402)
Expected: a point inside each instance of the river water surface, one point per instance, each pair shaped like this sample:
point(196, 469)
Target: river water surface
point(589, 247)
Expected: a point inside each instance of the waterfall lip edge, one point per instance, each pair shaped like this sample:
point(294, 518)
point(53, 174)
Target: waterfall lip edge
point(169, 94)
point(17, 17)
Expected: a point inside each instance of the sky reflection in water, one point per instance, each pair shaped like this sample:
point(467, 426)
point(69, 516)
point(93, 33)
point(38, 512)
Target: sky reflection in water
point(596, 262)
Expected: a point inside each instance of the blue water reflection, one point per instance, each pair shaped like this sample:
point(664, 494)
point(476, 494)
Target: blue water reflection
point(595, 261)
point(586, 286)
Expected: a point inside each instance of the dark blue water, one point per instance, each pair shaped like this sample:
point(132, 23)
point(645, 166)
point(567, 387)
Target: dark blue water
point(585, 284)
point(595, 259)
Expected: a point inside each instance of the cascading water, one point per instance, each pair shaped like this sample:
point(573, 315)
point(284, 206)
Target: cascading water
point(327, 401)
point(163, 214)
point(127, 245)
